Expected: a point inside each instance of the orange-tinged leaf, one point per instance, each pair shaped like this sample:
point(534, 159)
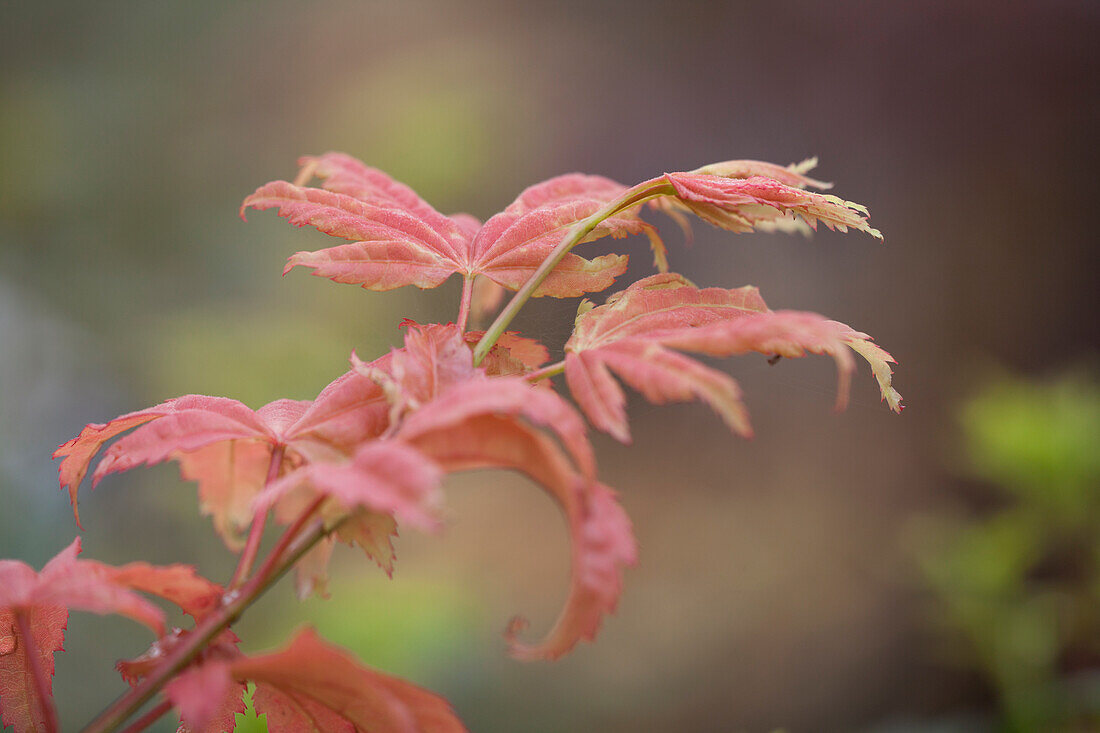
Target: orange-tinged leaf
point(314, 686)
point(633, 333)
point(21, 705)
point(41, 602)
point(398, 239)
point(77, 453)
point(511, 355)
point(372, 532)
point(180, 584)
point(204, 420)
point(229, 473)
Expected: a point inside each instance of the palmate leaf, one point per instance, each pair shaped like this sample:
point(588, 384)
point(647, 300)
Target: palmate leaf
point(603, 543)
point(398, 239)
point(383, 477)
point(431, 380)
point(512, 244)
point(505, 422)
point(41, 601)
point(458, 417)
point(226, 446)
point(633, 336)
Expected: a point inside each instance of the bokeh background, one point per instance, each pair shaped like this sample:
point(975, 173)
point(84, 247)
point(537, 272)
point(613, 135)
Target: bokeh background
point(861, 571)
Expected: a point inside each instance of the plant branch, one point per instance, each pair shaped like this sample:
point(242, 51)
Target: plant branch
point(256, 532)
point(551, 370)
point(38, 674)
point(285, 541)
point(149, 718)
point(631, 197)
point(233, 605)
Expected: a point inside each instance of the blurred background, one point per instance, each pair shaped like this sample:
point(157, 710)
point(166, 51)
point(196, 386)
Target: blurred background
point(937, 571)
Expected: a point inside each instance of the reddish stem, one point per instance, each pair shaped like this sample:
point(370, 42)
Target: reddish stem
point(41, 680)
point(292, 531)
point(233, 606)
point(149, 718)
point(464, 305)
point(256, 532)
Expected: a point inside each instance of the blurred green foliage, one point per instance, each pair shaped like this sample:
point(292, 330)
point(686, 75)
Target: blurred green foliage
point(1022, 584)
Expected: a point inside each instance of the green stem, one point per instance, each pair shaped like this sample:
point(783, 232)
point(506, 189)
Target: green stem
point(149, 718)
point(233, 605)
point(551, 370)
point(632, 197)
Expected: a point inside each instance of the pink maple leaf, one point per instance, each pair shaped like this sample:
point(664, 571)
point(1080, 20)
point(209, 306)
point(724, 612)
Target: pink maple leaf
point(398, 239)
point(633, 336)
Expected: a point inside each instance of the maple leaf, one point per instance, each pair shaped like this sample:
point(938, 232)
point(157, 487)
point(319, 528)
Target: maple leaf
point(743, 195)
point(512, 244)
point(599, 529)
point(34, 611)
point(228, 447)
point(633, 336)
point(511, 355)
point(398, 239)
point(310, 686)
point(459, 418)
point(476, 421)
point(384, 477)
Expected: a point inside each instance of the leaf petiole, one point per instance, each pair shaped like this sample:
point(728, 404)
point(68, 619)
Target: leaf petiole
point(631, 197)
point(551, 370)
point(256, 531)
point(149, 718)
point(464, 304)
